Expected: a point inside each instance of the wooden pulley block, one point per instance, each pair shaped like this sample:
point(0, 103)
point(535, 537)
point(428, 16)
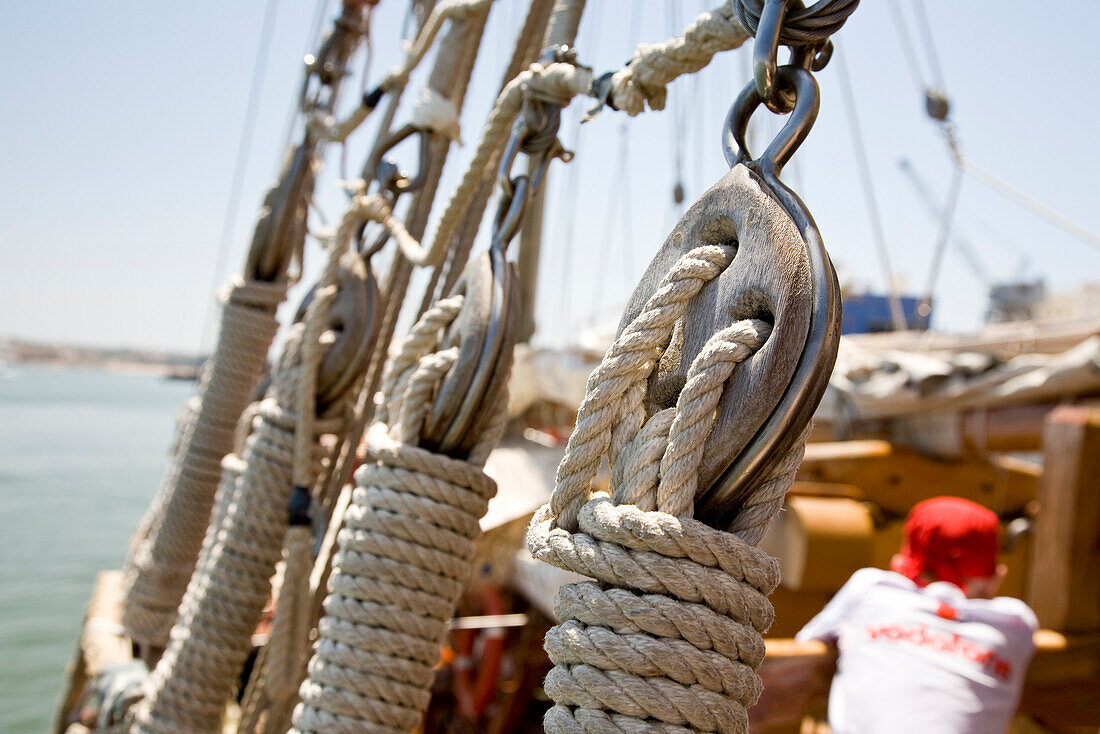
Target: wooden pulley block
point(781, 274)
point(281, 229)
point(351, 328)
point(485, 333)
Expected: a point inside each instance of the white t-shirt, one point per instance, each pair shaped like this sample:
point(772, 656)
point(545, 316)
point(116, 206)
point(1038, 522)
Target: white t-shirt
point(927, 661)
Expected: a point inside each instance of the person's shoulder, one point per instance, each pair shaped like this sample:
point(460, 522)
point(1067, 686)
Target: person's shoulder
point(867, 578)
point(1013, 611)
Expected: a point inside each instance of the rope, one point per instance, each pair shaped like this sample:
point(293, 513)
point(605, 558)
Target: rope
point(897, 314)
point(457, 10)
point(669, 637)
point(163, 558)
point(526, 50)
point(557, 83)
point(644, 79)
point(405, 553)
point(244, 148)
point(210, 642)
point(326, 127)
point(273, 687)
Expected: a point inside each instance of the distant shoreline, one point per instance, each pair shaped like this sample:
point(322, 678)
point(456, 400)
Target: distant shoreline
point(116, 361)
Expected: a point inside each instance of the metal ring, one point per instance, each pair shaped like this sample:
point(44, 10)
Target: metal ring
point(765, 57)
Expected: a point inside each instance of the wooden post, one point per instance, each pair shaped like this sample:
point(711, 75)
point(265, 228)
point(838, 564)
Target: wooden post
point(1064, 589)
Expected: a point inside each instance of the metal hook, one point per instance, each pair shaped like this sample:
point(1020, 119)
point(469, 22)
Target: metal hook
point(790, 137)
point(389, 175)
point(765, 56)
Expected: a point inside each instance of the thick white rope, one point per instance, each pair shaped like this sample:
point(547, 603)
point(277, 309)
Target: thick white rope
point(670, 636)
point(170, 536)
point(211, 640)
point(654, 65)
point(405, 553)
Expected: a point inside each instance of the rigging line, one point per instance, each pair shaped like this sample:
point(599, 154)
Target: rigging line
point(897, 315)
point(312, 41)
point(677, 119)
point(1033, 205)
point(962, 244)
point(240, 165)
point(907, 46)
point(627, 210)
point(572, 194)
point(929, 47)
point(616, 185)
point(941, 240)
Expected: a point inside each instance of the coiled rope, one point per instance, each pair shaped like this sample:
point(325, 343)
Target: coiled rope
point(405, 553)
point(168, 541)
point(668, 637)
point(188, 690)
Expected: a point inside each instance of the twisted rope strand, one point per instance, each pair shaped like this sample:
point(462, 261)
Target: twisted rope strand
point(669, 636)
point(405, 552)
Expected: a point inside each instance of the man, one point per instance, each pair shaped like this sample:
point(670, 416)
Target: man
point(926, 647)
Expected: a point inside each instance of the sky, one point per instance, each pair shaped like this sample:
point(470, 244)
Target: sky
point(123, 120)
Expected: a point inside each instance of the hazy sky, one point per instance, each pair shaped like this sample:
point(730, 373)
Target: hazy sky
point(121, 123)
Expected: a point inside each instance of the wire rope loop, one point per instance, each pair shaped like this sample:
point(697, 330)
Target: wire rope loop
point(790, 137)
point(801, 25)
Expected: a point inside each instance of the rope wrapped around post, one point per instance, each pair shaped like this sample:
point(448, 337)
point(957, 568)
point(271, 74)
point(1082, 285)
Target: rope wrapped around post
point(669, 636)
point(170, 536)
point(167, 543)
point(405, 551)
point(189, 688)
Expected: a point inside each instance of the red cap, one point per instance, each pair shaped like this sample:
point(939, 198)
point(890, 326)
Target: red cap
point(950, 538)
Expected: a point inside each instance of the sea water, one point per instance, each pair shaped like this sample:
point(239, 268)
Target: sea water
point(81, 454)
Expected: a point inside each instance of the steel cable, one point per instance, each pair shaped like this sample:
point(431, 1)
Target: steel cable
point(800, 25)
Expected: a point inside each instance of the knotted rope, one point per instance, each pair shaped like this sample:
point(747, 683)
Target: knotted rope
point(655, 65)
point(405, 553)
point(211, 640)
point(669, 637)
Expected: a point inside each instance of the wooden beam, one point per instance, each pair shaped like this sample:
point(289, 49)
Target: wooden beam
point(102, 642)
point(896, 478)
point(1062, 682)
point(1066, 595)
point(820, 541)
